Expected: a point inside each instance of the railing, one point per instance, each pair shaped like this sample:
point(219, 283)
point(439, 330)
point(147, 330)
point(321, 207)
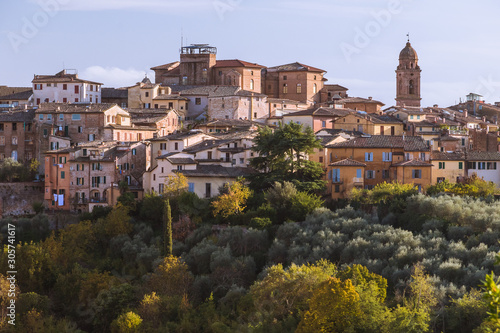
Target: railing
point(356, 180)
point(337, 180)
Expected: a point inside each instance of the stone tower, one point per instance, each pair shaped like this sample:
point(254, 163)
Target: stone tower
point(408, 78)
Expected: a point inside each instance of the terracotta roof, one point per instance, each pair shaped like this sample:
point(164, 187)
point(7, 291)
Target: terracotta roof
point(181, 160)
point(338, 131)
point(348, 162)
point(237, 63)
point(167, 66)
point(114, 93)
point(443, 156)
point(408, 143)
point(360, 100)
point(217, 171)
point(283, 101)
point(20, 95)
point(408, 52)
point(5, 90)
point(448, 138)
point(74, 108)
point(335, 87)
point(206, 144)
point(178, 136)
point(413, 163)
point(294, 67)
point(62, 77)
point(483, 156)
point(17, 116)
point(321, 111)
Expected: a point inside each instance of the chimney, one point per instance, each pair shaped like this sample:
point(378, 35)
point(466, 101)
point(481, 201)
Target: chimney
point(370, 98)
point(435, 106)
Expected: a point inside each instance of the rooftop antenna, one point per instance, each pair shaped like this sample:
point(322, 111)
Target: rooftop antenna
point(408, 35)
point(182, 37)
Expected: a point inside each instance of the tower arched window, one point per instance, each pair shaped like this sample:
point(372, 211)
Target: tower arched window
point(411, 88)
point(251, 84)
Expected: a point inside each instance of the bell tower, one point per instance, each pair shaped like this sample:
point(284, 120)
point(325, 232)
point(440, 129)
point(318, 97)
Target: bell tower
point(408, 78)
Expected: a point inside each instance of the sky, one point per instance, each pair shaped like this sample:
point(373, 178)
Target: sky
point(357, 42)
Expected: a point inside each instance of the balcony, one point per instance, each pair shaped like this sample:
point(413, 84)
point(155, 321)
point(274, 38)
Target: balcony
point(337, 181)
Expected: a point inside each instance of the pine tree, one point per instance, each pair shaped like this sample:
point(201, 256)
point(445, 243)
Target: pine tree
point(167, 229)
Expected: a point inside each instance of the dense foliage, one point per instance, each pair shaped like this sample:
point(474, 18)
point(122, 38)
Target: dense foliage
point(401, 262)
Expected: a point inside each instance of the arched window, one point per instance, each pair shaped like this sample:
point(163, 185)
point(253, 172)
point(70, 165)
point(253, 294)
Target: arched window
point(204, 73)
point(251, 84)
point(285, 88)
point(299, 88)
point(411, 88)
point(315, 88)
point(400, 87)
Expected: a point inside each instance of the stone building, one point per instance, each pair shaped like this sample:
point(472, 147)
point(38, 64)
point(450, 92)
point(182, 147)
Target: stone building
point(65, 87)
point(81, 177)
point(17, 135)
point(118, 96)
point(408, 78)
point(294, 81)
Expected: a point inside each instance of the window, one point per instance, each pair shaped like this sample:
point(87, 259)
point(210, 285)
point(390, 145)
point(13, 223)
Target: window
point(285, 88)
point(92, 137)
point(251, 84)
point(1, 127)
point(63, 174)
point(179, 167)
point(191, 187)
point(40, 117)
point(441, 165)
point(335, 175)
point(76, 100)
point(418, 116)
point(161, 188)
point(460, 165)
point(163, 146)
point(242, 161)
point(61, 116)
point(62, 160)
point(491, 165)
point(481, 165)
point(197, 101)
point(80, 129)
point(416, 173)
point(76, 116)
point(323, 123)
point(77, 89)
point(359, 173)
point(38, 86)
point(321, 159)
point(208, 190)
point(14, 140)
point(285, 77)
point(315, 88)
point(65, 86)
point(369, 157)
point(370, 174)
point(440, 179)
point(84, 154)
point(299, 88)
point(134, 151)
point(176, 146)
point(385, 174)
point(463, 141)
point(147, 93)
point(337, 188)
point(2, 140)
point(387, 157)
point(411, 116)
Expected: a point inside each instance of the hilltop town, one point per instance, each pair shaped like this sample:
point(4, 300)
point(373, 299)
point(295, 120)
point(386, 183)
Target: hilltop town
point(199, 115)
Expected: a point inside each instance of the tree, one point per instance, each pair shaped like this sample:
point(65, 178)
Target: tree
point(282, 154)
point(167, 229)
point(334, 307)
point(283, 292)
point(472, 187)
point(175, 184)
point(126, 323)
point(171, 277)
point(491, 287)
point(233, 202)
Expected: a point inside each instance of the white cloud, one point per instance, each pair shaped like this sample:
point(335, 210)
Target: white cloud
point(114, 76)
point(150, 5)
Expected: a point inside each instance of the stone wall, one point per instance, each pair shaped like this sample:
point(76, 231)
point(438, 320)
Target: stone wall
point(17, 198)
